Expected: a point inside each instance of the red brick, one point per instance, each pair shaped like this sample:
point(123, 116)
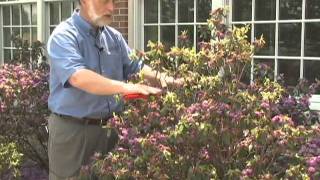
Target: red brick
point(121, 5)
point(116, 11)
point(120, 18)
point(124, 11)
point(115, 24)
point(124, 24)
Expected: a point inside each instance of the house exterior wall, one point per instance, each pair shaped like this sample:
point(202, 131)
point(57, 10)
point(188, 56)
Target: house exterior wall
point(120, 18)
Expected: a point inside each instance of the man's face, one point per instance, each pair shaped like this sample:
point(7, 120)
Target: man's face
point(100, 11)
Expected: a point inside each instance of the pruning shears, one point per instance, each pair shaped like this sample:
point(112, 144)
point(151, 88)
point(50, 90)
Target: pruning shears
point(134, 96)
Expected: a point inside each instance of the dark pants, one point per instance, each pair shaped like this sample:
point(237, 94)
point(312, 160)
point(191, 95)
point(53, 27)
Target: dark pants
point(71, 144)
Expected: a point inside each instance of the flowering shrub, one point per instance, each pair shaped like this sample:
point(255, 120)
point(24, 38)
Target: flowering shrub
point(215, 127)
point(10, 159)
point(23, 103)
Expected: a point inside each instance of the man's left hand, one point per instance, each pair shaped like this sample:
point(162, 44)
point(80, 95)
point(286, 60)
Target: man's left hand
point(166, 81)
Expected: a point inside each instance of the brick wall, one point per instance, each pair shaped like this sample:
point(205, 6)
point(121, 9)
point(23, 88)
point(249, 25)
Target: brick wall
point(120, 18)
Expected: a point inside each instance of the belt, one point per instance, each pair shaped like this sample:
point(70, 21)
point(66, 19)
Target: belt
point(89, 121)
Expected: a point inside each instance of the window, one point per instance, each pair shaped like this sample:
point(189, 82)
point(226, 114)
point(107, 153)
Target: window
point(60, 11)
point(31, 20)
point(18, 20)
point(164, 20)
point(291, 29)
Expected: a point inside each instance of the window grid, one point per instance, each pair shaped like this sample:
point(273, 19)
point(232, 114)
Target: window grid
point(176, 24)
point(276, 57)
point(35, 8)
point(74, 4)
point(11, 27)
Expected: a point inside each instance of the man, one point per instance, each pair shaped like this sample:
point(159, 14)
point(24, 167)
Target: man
point(89, 65)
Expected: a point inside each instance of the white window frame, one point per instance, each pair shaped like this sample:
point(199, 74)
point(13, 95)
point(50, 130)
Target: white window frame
point(1, 22)
point(43, 30)
point(277, 21)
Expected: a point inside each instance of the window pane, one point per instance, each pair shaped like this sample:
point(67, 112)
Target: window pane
point(290, 9)
point(65, 10)
point(26, 35)
point(51, 29)
point(167, 36)
point(7, 55)
point(190, 34)
point(6, 37)
point(75, 4)
point(311, 70)
point(268, 32)
point(34, 34)
point(150, 11)
point(167, 11)
point(15, 15)
point(34, 14)
point(6, 15)
point(290, 39)
point(54, 13)
point(291, 71)
point(150, 34)
point(243, 9)
point(267, 62)
point(265, 10)
point(26, 14)
point(203, 10)
point(312, 39)
point(312, 9)
point(186, 11)
point(16, 32)
point(16, 54)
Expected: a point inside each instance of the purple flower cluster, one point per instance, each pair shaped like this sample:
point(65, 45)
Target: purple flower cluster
point(281, 119)
point(129, 139)
point(313, 165)
point(311, 151)
point(248, 172)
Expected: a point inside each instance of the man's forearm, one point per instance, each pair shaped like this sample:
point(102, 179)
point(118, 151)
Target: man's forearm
point(94, 83)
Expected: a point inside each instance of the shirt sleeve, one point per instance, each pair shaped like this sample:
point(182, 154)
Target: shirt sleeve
point(65, 57)
point(129, 66)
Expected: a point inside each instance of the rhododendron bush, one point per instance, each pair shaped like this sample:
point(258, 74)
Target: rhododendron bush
point(214, 126)
point(23, 103)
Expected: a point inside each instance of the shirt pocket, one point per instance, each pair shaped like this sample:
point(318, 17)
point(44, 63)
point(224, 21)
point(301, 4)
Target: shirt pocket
point(112, 66)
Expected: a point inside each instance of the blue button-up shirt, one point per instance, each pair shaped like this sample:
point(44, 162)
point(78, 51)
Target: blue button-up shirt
point(74, 45)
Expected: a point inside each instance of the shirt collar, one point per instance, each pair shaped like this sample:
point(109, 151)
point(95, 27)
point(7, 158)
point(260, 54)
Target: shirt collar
point(83, 24)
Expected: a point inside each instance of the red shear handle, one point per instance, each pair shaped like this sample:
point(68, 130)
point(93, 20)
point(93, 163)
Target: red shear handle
point(134, 96)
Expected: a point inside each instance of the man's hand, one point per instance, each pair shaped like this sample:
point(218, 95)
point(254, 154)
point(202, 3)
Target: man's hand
point(140, 89)
point(168, 80)
point(157, 78)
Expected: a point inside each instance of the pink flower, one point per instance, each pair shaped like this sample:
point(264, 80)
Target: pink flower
point(247, 172)
point(311, 170)
point(312, 162)
point(265, 105)
point(259, 113)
